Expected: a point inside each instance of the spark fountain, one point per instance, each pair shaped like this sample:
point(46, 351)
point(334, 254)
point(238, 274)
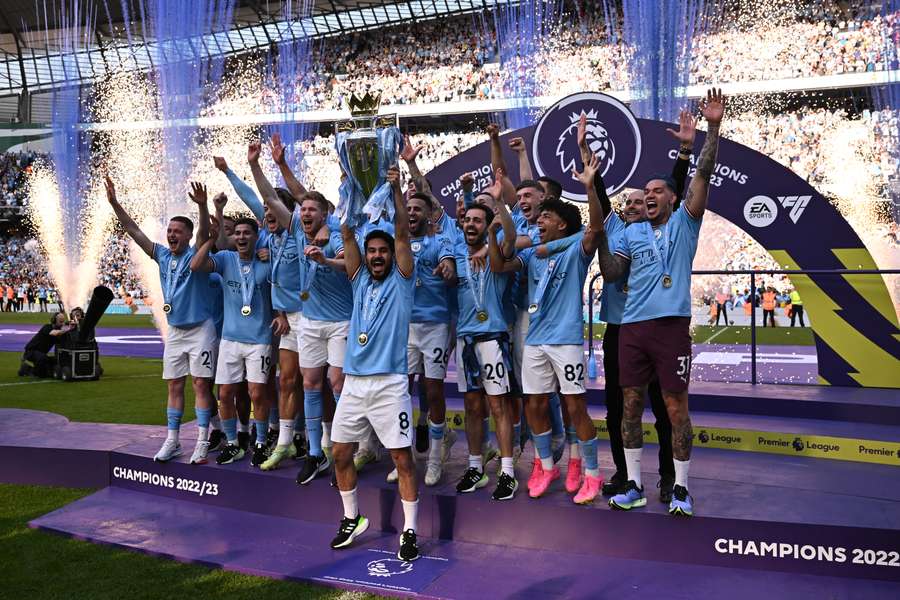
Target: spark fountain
point(69, 223)
point(522, 29)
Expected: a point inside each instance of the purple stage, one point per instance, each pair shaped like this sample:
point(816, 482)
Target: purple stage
point(712, 362)
point(817, 516)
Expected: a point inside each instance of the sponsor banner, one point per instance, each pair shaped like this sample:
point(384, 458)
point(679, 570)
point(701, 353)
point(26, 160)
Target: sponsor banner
point(855, 326)
point(747, 440)
point(381, 569)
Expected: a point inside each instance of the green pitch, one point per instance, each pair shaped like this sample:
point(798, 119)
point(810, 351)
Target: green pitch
point(46, 566)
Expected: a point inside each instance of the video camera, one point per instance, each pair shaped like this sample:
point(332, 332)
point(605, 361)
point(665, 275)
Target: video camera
point(77, 354)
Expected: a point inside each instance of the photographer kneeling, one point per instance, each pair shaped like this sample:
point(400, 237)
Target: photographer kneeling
point(37, 350)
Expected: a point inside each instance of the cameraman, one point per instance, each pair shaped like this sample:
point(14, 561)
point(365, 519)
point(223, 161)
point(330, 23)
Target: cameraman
point(39, 347)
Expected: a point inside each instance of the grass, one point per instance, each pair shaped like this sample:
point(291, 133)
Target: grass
point(127, 321)
point(46, 566)
point(768, 336)
point(130, 391)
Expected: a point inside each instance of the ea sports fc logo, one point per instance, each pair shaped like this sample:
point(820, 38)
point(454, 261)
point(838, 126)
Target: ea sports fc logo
point(760, 211)
point(612, 134)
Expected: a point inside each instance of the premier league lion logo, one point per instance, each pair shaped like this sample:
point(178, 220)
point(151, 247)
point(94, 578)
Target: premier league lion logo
point(612, 133)
point(598, 141)
point(388, 567)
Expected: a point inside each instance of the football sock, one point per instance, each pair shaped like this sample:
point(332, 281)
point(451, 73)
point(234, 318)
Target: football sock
point(542, 447)
point(312, 406)
point(261, 431)
point(203, 415)
point(173, 423)
point(506, 466)
point(589, 454)
point(633, 464)
point(286, 432)
point(410, 513)
point(351, 509)
point(230, 427)
point(681, 472)
point(273, 418)
point(436, 433)
point(475, 462)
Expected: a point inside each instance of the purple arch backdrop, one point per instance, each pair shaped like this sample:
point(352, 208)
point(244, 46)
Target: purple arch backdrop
point(855, 323)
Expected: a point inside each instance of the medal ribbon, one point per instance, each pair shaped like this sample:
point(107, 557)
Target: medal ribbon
point(172, 276)
point(308, 269)
point(477, 294)
point(371, 302)
point(278, 252)
point(544, 282)
point(246, 286)
point(662, 257)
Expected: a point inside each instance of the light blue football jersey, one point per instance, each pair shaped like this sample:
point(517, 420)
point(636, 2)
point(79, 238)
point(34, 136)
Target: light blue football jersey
point(479, 291)
point(285, 261)
point(381, 312)
point(330, 295)
point(254, 328)
point(646, 248)
point(430, 303)
point(187, 292)
point(612, 299)
point(556, 286)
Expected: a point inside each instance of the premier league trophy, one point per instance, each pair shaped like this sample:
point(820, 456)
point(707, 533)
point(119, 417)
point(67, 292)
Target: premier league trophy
point(367, 145)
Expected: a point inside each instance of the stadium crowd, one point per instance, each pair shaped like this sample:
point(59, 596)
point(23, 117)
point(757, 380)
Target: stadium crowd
point(455, 59)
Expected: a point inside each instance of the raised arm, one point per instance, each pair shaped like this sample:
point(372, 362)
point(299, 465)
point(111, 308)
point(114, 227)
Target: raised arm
point(468, 187)
point(293, 184)
point(198, 195)
point(508, 248)
point(687, 131)
point(244, 191)
point(591, 239)
point(131, 228)
point(282, 214)
point(713, 109)
point(223, 242)
point(201, 260)
point(586, 154)
point(517, 145)
point(402, 249)
point(409, 154)
point(497, 160)
point(352, 257)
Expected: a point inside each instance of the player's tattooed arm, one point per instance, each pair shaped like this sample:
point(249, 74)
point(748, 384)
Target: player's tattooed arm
point(201, 260)
point(612, 266)
point(402, 249)
point(632, 430)
point(713, 109)
point(131, 228)
point(278, 155)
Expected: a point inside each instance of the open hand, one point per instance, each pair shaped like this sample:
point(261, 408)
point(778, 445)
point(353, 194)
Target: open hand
point(198, 193)
point(687, 129)
point(110, 190)
point(410, 152)
point(586, 177)
point(253, 152)
point(713, 106)
point(277, 149)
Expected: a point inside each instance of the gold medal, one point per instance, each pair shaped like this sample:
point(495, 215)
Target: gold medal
point(532, 308)
point(482, 316)
point(363, 339)
point(667, 281)
point(304, 295)
point(167, 308)
point(246, 310)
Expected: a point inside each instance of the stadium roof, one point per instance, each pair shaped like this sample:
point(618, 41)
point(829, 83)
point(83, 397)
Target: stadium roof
point(30, 56)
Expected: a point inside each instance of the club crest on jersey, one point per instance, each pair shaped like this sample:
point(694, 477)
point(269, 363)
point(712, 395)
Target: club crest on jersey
point(612, 134)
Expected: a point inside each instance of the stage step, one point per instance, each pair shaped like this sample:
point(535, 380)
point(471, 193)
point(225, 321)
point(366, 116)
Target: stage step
point(287, 548)
point(818, 438)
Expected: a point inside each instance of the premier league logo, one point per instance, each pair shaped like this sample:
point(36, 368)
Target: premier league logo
point(612, 134)
point(388, 567)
